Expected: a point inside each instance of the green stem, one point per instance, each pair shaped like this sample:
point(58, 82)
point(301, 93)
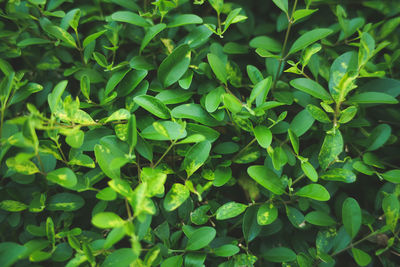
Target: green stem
point(284, 46)
point(355, 243)
point(165, 153)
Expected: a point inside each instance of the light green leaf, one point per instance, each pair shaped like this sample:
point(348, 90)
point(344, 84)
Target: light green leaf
point(318, 114)
point(267, 178)
point(170, 131)
point(196, 156)
point(263, 135)
point(331, 148)
point(260, 89)
point(174, 66)
point(201, 238)
point(92, 37)
point(282, 4)
point(63, 176)
point(213, 99)
point(314, 191)
point(176, 196)
point(107, 220)
point(294, 140)
point(302, 13)
point(267, 214)
point(75, 139)
point(185, 19)
point(65, 202)
point(153, 105)
point(155, 180)
point(309, 38)
point(391, 208)
point(347, 114)
point(120, 114)
point(392, 176)
point(309, 171)
point(120, 257)
point(301, 123)
point(230, 210)
point(351, 216)
point(232, 103)
point(362, 258)
point(12, 206)
point(174, 261)
point(312, 88)
point(218, 67)
point(266, 43)
point(339, 175)
point(129, 17)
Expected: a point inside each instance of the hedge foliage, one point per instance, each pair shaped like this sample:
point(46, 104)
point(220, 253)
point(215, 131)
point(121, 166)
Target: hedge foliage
point(199, 133)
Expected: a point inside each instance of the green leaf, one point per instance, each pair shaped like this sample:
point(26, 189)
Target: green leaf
point(282, 4)
point(294, 140)
point(318, 113)
point(302, 13)
point(62, 34)
point(279, 254)
point(213, 99)
point(199, 216)
point(232, 103)
point(309, 38)
point(267, 178)
point(12, 206)
point(65, 202)
point(218, 67)
point(194, 112)
point(131, 138)
point(106, 194)
point(174, 261)
point(155, 180)
point(302, 122)
point(227, 250)
point(129, 17)
point(200, 238)
point(392, 176)
point(230, 210)
point(362, 258)
point(260, 89)
point(343, 73)
point(250, 228)
point(339, 175)
point(63, 176)
point(120, 257)
point(85, 86)
point(347, 114)
point(153, 105)
point(233, 17)
point(331, 148)
point(26, 167)
point(166, 130)
point(150, 34)
point(173, 96)
point(92, 37)
point(391, 208)
point(266, 43)
point(309, 171)
point(222, 176)
point(379, 136)
point(174, 66)
point(263, 135)
point(314, 191)
point(185, 19)
point(50, 231)
point(107, 220)
point(351, 216)
point(267, 214)
point(11, 253)
point(312, 88)
point(320, 218)
point(75, 139)
point(372, 98)
point(196, 156)
point(176, 196)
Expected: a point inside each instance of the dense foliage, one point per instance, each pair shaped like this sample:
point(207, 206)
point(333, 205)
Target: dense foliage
point(199, 133)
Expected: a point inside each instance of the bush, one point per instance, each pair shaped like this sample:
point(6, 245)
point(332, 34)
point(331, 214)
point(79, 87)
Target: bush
point(180, 133)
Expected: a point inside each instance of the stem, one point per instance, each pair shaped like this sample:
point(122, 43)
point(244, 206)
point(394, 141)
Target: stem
point(219, 25)
point(1, 121)
point(128, 210)
point(284, 46)
point(355, 243)
point(244, 148)
point(165, 153)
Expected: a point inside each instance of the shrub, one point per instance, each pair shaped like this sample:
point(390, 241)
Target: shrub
point(204, 133)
